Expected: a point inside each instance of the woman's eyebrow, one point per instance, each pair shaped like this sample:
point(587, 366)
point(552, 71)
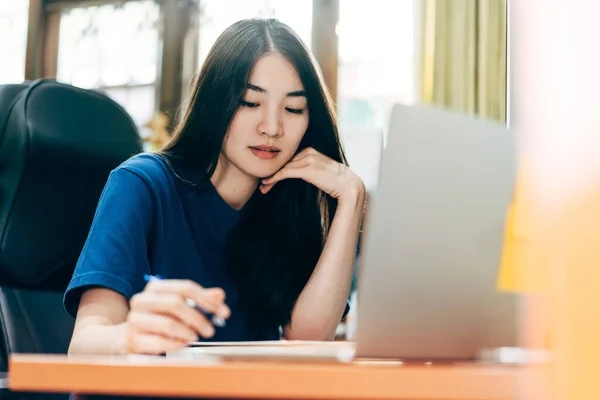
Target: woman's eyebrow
point(295, 93)
point(256, 88)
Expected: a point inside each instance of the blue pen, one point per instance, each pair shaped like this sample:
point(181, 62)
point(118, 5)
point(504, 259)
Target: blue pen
point(215, 319)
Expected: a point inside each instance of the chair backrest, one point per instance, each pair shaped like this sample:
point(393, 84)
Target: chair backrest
point(8, 93)
point(58, 144)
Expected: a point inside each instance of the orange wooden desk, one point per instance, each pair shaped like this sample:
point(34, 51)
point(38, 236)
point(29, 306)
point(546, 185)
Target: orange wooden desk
point(264, 380)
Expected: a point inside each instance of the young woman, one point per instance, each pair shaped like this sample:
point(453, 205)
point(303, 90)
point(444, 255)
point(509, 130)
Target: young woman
point(250, 211)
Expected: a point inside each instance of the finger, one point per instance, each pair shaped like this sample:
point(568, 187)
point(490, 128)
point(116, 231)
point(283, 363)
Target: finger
point(264, 189)
point(161, 325)
point(211, 300)
point(287, 173)
point(303, 162)
point(306, 163)
point(145, 343)
point(293, 169)
point(309, 151)
point(172, 305)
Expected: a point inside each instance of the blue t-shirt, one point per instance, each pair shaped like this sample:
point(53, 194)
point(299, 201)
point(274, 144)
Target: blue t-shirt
point(150, 222)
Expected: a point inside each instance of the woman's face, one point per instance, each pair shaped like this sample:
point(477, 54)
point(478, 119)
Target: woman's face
point(271, 121)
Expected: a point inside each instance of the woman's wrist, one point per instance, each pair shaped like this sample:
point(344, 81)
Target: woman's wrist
point(122, 338)
point(353, 198)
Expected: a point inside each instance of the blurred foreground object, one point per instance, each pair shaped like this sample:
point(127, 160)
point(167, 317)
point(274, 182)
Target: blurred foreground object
point(554, 245)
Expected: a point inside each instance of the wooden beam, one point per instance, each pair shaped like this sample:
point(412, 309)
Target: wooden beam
point(42, 42)
point(178, 26)
point(50, 45)
point(325, 40)
point(35, 40)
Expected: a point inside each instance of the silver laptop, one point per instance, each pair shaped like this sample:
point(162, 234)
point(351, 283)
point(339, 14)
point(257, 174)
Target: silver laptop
point(434, 234)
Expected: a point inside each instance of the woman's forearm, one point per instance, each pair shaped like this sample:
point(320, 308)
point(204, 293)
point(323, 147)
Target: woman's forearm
point(99, 339)
point(321, 304)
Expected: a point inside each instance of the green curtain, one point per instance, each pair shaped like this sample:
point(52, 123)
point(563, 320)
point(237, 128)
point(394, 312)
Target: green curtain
point(464, 56)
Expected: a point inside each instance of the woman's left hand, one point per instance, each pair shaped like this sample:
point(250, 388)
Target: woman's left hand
point(330, 176)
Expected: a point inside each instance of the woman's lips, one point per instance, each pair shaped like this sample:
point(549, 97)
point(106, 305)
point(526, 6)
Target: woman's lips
point(265, 152)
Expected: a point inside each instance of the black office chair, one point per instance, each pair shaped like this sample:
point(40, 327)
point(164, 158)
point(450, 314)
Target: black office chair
point(58, 143)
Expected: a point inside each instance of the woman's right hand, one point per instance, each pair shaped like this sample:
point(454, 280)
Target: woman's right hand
point(159, 318)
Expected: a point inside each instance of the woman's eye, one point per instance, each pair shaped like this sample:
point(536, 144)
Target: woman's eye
point(295, 110)
point(249, 104)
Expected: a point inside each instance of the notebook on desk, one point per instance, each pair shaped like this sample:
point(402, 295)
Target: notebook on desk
point(278, 343)
point(267, 350)
point(431, 250)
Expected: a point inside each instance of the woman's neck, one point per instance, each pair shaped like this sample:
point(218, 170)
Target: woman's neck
point(233, 185)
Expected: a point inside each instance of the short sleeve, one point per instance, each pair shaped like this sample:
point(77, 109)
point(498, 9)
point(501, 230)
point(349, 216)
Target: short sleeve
point(115, 254)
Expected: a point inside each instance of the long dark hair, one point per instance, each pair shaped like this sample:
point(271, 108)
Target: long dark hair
point(273, 250)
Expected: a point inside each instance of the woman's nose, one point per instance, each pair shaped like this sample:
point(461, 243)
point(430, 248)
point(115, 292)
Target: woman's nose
point(271, 124)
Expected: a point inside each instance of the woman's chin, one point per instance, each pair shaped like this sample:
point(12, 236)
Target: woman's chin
point(261, 172)
point(258, 174)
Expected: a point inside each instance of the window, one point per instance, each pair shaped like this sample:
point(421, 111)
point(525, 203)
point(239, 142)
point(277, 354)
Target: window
point(376, 70)
point(13, 40)
point(114, 48)
point(217, 15)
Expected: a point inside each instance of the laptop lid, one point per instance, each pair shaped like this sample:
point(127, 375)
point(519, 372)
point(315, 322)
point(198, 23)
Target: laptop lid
point(434, 230)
